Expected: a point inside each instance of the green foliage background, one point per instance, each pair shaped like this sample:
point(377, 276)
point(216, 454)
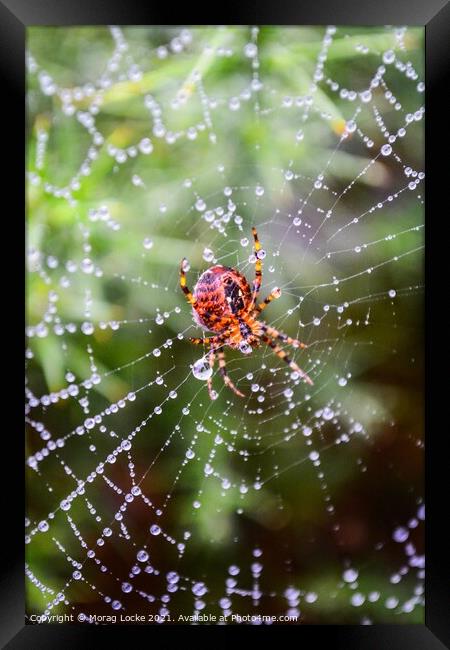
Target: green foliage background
point(384, 358)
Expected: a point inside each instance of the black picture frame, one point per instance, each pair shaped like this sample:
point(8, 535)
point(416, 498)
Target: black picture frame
point(15, 17)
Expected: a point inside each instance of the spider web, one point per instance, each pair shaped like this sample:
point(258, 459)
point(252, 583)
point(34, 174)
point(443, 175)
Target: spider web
point(143, 495)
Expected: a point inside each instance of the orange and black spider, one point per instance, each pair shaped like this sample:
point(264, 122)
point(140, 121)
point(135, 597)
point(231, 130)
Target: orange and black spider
point(223, 302)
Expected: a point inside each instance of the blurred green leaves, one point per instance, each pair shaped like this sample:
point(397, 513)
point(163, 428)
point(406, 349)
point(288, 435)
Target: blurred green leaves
point(152, 196)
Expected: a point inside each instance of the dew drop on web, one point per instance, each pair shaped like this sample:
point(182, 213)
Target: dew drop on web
point(129, 456)
point(201, 369)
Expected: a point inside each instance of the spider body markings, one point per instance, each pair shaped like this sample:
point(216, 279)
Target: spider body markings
point(223, 302)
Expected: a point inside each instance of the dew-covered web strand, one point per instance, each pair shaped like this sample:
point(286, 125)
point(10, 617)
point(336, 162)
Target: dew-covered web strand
point(274, 395)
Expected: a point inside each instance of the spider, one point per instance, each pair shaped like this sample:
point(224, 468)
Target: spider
point(224, 303)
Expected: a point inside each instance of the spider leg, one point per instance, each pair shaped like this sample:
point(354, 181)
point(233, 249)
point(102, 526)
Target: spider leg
point(283, 355)
point(211, 340)
point(275, 293)
point(276, 334)
point(223, 371)
point(212, 357)
point(258, 270)
point(183, 283)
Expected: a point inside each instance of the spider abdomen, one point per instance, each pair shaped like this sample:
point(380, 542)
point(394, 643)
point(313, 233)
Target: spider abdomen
point(220, 293)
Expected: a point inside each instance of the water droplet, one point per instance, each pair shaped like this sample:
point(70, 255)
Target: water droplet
point(327, 413)
point(208, 255)
point(357, 600)
point(250, 50)
point(234, 104)
point(245, 347)
point(172, 577)
point(400, 534)
point(201, 369)
point(87, 265)
point(145, 146)
point(311, 597)
point(199, 589)
point(350, 575)
point(391, 602)
point(87, 328)
point(389, 56)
